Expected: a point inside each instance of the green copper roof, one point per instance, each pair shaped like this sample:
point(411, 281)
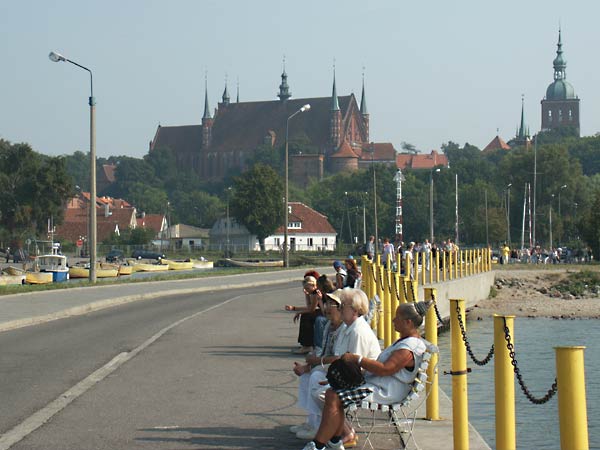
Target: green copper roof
point(335, 106)
point(225, 96)
point(363, 101)
point(522, 132)
point(206, 108)
point(560, 89)
point(284, 89)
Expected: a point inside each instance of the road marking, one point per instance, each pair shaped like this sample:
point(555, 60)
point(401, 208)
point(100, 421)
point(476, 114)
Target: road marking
point(40, 417)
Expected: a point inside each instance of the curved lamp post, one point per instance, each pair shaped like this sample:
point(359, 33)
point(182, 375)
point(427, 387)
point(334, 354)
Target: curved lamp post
point(286, 255)
point(57, 57)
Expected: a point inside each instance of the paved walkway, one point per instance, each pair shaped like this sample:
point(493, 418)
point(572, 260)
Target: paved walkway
point(27, 309)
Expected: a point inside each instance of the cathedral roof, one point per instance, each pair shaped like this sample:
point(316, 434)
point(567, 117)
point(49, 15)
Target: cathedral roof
point(560, 90)
point(496, 143)
point(243, 126)
point(345, 151)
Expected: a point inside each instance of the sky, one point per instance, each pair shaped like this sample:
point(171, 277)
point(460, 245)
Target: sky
point(434, 71)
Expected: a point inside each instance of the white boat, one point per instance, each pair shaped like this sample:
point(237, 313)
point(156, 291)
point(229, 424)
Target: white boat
point(200, 264)
point(54, 263)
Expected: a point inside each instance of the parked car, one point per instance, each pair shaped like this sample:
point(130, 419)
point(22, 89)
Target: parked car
point(115, 255)
point(147, 254)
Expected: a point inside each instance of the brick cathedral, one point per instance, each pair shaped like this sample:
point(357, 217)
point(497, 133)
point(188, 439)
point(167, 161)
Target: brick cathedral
point(337, 126)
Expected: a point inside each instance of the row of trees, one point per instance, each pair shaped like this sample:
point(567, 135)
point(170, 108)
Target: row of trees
point(36, 187)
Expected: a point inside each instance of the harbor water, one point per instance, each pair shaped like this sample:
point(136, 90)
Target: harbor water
point(537, 425)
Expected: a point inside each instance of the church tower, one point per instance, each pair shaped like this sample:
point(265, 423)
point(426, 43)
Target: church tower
point(560, 107)
point(284, 89)
point(363, 109)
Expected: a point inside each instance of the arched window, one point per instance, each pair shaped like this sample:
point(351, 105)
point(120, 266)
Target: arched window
point(549, 115)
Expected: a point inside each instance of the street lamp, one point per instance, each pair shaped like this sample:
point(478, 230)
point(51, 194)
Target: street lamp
point(286, 256)
point(57, 57)
point(431, 203)
point(508, 214)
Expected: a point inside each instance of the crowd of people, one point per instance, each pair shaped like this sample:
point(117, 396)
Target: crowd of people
point(540, 255)
point(335, 337)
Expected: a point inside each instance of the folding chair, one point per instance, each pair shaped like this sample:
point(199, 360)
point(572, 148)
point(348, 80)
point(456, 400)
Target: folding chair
point(402, 415)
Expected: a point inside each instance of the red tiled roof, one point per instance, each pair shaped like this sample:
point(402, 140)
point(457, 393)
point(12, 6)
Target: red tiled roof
point(243, 126)
point(378, 151)
point(152, 221)
point(495, 144)
point(345, 151)
point(311, 220)
point(421, 161)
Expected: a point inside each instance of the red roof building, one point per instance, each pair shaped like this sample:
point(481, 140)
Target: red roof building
point(496, 144)
point(421, 161)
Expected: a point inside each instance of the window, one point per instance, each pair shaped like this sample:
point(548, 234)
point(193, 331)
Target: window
point(309, 242)
point(324, 241)
point(296, 225)
point(570, 115)
point(277, 242)
point(560, 115)
point(549, 116)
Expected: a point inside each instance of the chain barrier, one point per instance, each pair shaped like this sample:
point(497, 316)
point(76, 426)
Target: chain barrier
point(435, 307)
point(538, 401)
point(490, 354)
point(396, 291)
point(405, 291)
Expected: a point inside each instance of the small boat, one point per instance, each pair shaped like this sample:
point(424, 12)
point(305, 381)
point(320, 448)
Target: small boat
point(178, 265)
point(125, 269)
point(14, 270)
point(143, 267)
point(38, 277)
point(255, 263)
point(84, 272)
point(199, 264)
point(54, 263)
point(6, 280)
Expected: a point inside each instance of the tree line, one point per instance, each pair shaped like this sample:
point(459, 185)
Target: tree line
point(567, 187)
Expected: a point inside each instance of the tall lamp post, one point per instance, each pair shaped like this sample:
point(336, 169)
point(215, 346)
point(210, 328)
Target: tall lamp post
point(508, 214)
point(564, 186)
point(431, 203)
point(57, 57)
point(286, 255)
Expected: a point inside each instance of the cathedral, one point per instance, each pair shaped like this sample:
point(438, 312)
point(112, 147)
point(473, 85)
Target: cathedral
point(336, 126)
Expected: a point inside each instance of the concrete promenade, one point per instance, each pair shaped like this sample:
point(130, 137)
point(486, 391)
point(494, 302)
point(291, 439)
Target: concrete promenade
point(21, 310)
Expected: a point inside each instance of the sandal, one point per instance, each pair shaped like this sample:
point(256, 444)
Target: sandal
point(352, 442)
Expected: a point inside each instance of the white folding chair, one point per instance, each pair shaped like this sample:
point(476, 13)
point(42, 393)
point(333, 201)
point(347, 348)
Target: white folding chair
point(402, 415)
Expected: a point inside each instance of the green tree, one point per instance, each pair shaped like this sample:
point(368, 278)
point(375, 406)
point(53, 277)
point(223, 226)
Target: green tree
point(147, 198)
point(257, 201)
point(590, 225)
point(197, 208)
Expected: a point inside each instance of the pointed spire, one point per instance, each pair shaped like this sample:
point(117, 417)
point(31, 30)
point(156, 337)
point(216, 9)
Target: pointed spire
point(284, 89)
point(206, 108)
point(225, 96)
point(363, 99)
point(522, 131)
point(335, 106)
point(559, 62)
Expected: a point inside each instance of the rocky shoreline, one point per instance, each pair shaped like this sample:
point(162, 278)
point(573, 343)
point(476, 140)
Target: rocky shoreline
point(562, 293)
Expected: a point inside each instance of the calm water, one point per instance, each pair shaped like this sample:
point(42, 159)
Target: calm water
point(537, 425)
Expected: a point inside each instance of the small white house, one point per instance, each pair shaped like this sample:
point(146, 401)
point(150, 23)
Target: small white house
point(308, 230)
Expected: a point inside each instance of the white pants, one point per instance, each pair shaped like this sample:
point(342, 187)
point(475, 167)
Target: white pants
point(309, 391)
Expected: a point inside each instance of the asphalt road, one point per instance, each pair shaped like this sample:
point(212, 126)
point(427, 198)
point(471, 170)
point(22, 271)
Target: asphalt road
point(194, 387)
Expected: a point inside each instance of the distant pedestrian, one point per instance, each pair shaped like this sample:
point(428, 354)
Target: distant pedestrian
point(7, 253)
point(371, 248)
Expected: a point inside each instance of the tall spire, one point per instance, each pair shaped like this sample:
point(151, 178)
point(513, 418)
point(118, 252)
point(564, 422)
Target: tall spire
point(363, 99)
point(206, 108)
point(284, 89)
point(559, 63)
point(335, 106)
point(522, 131)
point(225, 96)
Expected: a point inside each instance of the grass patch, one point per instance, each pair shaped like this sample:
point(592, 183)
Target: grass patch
point(493, 292)
point(580, 283)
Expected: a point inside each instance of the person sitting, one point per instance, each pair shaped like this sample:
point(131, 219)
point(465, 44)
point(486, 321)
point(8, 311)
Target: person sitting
point(356, 337)
point(313, 371)
point(307, 315)
point(324, 286)
point(387, 379)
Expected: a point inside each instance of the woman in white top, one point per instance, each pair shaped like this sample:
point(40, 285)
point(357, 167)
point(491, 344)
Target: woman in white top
point(388, 377)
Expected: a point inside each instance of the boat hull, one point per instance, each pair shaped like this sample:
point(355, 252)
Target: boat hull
point(178, 265)
point(277, 263)
point(6, 280)
point(202, 264)
point(141, 267)
point(38, 277)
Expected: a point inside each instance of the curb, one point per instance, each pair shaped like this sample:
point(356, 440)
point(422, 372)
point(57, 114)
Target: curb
point(104, 304)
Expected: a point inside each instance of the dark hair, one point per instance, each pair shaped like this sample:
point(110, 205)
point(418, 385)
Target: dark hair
point(415, 311)
point(325, 285)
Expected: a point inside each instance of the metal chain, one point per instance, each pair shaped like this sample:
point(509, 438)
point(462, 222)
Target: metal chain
point(538, 401)
point(490, 354)
point(396, 291)
point(405, 291)
point(435, 307)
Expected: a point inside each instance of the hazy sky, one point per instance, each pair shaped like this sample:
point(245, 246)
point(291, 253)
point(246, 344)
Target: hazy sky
point(435, 70)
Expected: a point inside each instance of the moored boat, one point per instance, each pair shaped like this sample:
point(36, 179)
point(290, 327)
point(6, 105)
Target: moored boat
point(6, 280)
point(101, 272)
point(255, 263)
point(125, 269)
point(14, 270)
point(199, 264)
point(54, 263)
point(143, 267)
point(38, 277)
point(178, 265)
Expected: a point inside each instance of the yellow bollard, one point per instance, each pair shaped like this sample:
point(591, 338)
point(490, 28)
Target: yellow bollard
point(443, 266)
point(572, 407)
point(380, 315)
point(450, 266)
point(456, 265)
point(460, 402)
point(365, 275)
point(430, 267)
point(423, 269)
point(387, 306)
point(432, 411)
point(395, 297)
point(437, 266)
point(415, 262)
point(504, 385)
point(407, 267)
